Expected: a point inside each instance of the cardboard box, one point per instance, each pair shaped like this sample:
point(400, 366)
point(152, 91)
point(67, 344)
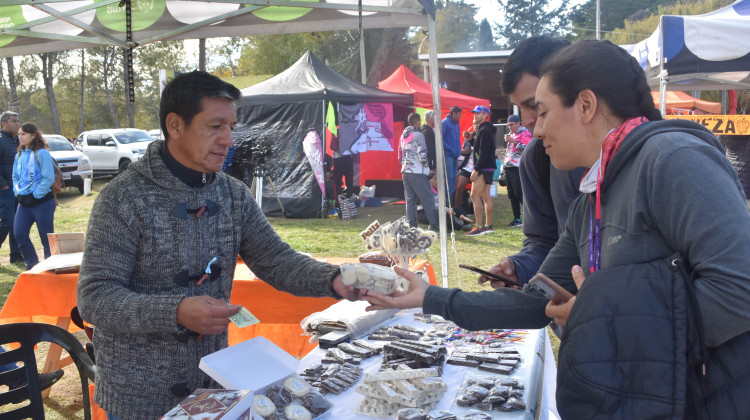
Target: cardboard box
point(65, 243)
point(253, 364)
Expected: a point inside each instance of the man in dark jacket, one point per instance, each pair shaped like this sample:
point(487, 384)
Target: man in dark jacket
point(545, 201)
point(428, 131)
point(484, 167)
point(10, 123)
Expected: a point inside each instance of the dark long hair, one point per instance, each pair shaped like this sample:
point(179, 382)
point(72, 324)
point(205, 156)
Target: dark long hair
point(37, 142)
point(609, 71)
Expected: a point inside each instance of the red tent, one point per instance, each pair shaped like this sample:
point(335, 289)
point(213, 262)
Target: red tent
point(404, 80)
point(384, 165)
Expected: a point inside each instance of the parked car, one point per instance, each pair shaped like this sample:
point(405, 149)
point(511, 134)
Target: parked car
point(74, 165)
point(111, 151)
point(156, 134)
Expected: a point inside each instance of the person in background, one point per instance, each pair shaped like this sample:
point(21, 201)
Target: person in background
point(10, 123)
point(548, 191)
point(516, 142)
point(465, 167)
point(160, 255)
point(46, 380)
point(412, 154)
point(452, 148)
point(484, 167)
point(33, 176)
point(343, 167)
point(428, 131)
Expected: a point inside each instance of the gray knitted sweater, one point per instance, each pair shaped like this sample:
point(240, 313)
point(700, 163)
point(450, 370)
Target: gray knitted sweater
point(144, 251)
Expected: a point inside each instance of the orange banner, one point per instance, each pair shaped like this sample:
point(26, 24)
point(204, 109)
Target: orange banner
point(727, 125)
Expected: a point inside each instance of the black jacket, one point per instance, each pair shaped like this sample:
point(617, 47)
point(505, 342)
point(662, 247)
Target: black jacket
point(484, 147)
point(8, 151)
point(429, 139)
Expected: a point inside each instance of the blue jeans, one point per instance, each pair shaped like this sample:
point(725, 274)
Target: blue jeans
point(44, 216)
point(451, 174)
point(7, 215)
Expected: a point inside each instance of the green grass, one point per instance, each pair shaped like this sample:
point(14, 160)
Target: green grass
point(319, 237)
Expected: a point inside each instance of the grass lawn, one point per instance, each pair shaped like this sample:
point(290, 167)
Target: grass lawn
point(326, 237)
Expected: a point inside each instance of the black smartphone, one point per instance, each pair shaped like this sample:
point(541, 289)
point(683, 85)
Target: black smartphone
point(491, 275)
point(553, 291)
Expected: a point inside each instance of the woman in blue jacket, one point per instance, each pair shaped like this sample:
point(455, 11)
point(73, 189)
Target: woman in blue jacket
point(33, 176)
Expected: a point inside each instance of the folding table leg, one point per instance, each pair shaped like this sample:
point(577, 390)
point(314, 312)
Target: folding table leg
point(52, 362)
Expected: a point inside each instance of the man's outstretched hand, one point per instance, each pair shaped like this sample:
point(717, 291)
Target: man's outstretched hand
point(204, 314)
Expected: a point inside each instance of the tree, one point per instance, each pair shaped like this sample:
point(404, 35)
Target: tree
point(525, 18)
point(613, 14)
point(83, 79)
point(455, 26)
point(486, 40)
point(13, 105)
point(48, 76)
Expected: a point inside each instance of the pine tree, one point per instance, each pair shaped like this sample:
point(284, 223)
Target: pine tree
point(525, 18)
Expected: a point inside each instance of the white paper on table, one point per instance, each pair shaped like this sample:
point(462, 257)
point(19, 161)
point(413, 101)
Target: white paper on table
point(358, 322)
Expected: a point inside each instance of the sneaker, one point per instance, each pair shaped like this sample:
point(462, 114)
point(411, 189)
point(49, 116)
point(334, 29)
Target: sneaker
point(46, 380)
point(515, 223)
point(488, 229)
point(17, 259)
point(475, 231)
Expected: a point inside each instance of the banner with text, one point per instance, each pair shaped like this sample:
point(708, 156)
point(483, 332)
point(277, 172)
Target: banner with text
point(727, 125)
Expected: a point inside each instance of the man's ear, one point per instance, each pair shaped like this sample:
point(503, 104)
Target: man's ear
point(587, 105)
point(175, 125)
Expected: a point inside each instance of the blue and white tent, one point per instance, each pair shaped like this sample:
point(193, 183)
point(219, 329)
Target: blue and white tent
point(701, 52)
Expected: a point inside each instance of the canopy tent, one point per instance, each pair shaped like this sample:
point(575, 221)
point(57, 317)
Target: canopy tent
point(33, 26)
point(384, 165)
point(310, 79)
point(276, 115)
point(702, 52)
point(681, 103)
point(403, 80)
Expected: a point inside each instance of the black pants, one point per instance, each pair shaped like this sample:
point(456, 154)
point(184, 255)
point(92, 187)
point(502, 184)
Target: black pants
point(343, 167)
point(515, 193)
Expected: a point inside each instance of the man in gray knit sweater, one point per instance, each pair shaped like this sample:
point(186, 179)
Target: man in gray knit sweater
point(153, 231)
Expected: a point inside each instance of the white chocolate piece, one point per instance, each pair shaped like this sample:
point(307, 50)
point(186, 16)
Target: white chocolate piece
point(297, 386)
point(263, 405)
point(401, 374)
point(297, 412)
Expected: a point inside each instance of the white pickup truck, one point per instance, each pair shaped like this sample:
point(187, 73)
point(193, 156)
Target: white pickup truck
point(111, 151)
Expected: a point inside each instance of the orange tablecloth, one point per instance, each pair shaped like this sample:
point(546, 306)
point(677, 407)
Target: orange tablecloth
point(46, 297)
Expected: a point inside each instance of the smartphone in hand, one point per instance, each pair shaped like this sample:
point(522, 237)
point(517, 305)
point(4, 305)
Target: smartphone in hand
point(553, 291)
point(493, 276)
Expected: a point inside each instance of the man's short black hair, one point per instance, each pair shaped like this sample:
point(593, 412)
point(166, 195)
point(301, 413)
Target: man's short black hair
point(183, 95)
point(414, 118)
point(455, 109)
point(528, 57)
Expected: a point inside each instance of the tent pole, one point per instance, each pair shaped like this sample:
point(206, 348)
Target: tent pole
point(362, 64)
point(439, 152)
point(662, 71)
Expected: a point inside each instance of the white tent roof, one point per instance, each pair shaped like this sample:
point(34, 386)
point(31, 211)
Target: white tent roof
point(702, 52)
point(30, 27)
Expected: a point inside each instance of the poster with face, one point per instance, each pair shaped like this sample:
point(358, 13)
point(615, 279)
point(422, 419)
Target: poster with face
point(364, 127)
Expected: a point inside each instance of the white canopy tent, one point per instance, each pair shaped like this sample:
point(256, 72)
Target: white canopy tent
point(32, 27)
point(701, 52)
